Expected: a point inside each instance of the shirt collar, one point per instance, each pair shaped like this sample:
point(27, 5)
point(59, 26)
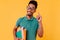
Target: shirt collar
point(30, 18)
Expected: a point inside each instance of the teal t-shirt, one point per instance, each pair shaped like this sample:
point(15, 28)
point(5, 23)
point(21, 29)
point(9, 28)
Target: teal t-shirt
point(31, 25)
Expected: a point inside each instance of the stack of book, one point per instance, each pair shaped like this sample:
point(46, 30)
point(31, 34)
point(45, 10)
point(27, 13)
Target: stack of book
point(21, 33)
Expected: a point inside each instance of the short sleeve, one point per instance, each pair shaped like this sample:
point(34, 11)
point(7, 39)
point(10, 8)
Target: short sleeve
point(18, 22)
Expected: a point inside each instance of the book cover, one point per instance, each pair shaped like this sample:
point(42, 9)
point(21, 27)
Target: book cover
point(21, 33)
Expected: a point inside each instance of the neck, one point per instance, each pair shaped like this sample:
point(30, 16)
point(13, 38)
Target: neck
point(28, 17)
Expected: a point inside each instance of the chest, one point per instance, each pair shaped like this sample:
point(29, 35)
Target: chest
point(29, 25)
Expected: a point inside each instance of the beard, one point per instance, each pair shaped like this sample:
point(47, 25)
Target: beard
point(29, 14)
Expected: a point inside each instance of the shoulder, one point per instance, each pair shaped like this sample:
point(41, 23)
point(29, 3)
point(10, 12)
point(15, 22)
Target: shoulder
point(20, 19)
point(35, 19)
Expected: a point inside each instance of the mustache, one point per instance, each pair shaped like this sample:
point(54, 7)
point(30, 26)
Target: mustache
point(29, 11)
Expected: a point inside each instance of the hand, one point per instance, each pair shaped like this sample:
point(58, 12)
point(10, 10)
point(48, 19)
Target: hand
point(39, 18)
point(17, 39)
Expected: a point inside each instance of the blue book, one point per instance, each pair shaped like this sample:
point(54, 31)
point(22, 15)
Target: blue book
point(19, 34)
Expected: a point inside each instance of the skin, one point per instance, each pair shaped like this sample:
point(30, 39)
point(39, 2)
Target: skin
point(30, 11)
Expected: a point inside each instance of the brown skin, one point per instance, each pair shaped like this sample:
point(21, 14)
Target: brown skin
point(40, 29)
point(30, 11)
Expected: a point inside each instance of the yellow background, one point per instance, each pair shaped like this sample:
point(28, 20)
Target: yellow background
point(11, 10)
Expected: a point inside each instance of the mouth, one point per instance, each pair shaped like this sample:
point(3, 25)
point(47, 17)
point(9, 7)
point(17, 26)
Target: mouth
point(29, 13)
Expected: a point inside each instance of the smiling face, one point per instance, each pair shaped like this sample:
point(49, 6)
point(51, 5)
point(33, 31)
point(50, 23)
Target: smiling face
point(31, 9)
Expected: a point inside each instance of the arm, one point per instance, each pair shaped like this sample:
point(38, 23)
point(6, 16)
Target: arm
point(14, 31)
point(40, 29)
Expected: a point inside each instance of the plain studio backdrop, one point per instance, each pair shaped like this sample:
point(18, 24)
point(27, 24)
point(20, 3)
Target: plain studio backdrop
point(11, 10)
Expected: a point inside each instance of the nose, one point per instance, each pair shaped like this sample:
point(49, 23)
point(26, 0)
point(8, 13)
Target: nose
point(29, 10)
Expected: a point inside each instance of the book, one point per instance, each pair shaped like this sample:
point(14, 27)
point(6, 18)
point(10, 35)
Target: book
point(21, 33)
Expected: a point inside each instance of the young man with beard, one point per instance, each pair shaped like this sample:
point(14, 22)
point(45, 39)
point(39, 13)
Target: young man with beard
point(33, 25)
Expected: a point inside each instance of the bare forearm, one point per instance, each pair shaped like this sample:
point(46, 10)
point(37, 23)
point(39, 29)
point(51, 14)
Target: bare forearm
point(40, 29)
point(14, 32)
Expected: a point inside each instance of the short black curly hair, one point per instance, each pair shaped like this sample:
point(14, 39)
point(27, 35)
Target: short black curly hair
point(34, 3)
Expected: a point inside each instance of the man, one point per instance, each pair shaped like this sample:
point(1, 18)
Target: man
point(33, 25)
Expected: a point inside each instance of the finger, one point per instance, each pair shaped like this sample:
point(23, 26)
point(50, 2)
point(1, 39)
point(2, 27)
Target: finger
point(38, 13)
